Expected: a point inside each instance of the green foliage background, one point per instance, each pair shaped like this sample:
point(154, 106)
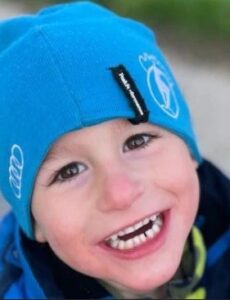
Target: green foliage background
point(210, 18)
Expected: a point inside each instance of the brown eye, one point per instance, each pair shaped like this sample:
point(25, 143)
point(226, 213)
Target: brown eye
point(69, 171)
point(138, 141)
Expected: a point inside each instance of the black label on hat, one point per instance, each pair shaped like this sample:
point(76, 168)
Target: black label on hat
point(130, 89)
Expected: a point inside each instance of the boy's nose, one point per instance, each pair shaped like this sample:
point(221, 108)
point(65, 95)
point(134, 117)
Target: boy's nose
point(120, 191)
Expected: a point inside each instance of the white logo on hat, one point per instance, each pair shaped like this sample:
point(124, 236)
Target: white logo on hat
point(160, 84)
point(16, 169)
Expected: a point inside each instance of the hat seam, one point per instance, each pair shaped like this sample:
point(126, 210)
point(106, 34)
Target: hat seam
point(57, 65)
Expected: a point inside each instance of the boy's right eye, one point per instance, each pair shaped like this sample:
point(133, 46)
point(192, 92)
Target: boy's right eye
point(69, 171)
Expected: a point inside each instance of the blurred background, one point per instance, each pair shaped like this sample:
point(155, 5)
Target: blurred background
point(195, 36)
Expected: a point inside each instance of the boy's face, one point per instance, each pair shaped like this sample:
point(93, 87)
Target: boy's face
point(105, 179)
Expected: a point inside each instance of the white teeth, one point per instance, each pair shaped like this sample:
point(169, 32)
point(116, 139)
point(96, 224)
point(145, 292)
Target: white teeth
point(129, 230)
point(142, 237)
point(114, 237)
point(129, 244)
point(120, 233)
point(117, 243)
point(150, 233)
point(121, 245)
point(156, 228)
point(133, 228)
point(159, 221)
point(138, 225)
point(114, 244)
point(136, 240)
point(153, 218)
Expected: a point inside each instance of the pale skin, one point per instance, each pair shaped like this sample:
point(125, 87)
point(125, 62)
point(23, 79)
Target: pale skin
point(120, 173)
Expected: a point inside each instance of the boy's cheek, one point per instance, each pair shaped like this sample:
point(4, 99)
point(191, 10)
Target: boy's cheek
point(178, 180)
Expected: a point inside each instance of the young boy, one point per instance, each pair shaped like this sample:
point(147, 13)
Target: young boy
point(99, 163)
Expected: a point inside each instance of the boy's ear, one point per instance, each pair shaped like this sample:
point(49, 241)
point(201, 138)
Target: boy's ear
point(39, 235)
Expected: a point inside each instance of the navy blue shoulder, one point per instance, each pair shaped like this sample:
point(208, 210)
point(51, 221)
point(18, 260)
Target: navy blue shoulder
point(214, 222)
point(214, 208)
point(214, 183)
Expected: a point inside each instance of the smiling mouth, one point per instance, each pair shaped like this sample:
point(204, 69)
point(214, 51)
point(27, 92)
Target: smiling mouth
point(138, 234)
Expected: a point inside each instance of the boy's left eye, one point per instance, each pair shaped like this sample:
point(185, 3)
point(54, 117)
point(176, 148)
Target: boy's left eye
point(138, 141)
point(69, 171)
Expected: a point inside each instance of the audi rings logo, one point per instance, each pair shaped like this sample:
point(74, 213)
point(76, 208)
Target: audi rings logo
point(16, 165)
point(160, 85)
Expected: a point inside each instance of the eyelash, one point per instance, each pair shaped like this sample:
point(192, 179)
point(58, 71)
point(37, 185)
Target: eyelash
point(134, 138)
point(144, 143)
point(59, 173)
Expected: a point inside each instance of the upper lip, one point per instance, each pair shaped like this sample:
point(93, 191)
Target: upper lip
point(133, 223)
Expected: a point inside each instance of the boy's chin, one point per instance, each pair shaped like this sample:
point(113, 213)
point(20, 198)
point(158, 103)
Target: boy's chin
point(147, 282)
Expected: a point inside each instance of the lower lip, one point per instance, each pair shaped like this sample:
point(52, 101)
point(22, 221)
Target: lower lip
point(146, 248)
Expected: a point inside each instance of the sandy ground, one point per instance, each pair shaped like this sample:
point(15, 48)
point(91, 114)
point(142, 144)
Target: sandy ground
point(207, 89)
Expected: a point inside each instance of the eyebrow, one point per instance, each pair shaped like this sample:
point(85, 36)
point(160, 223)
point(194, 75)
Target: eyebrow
point(57, 153)
point(54, 154)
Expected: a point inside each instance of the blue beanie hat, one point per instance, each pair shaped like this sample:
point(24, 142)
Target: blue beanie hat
point(68, 67)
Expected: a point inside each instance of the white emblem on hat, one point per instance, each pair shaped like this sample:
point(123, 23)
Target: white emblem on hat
point(160, 85)
point(16, 169)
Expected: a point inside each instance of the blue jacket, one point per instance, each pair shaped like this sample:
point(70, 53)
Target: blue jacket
point(31, 270)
